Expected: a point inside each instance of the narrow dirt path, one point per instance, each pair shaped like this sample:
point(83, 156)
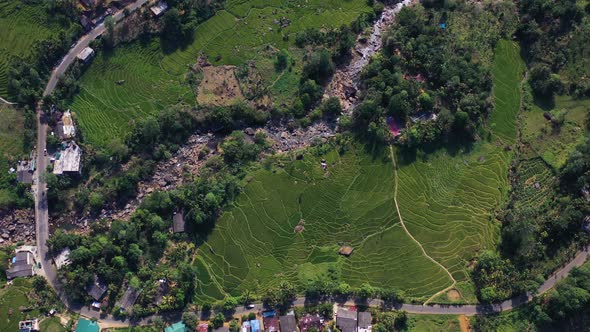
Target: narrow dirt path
point(401, 220)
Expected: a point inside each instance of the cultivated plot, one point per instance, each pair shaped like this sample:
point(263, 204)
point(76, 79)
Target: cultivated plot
point(245, 30)
point(22, 24)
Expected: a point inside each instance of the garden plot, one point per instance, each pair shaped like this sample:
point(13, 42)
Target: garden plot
point(219, 87)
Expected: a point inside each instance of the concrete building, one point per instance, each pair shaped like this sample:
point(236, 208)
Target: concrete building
point(364, 322)
point(270, 321)
point(86, 54)
point(128, 299)
point(24, 171)
point(21, 265)
point(346, 320)
point(97, 289)
point(68, 159)
point(63, 259)
point(159, 9)
point(178, 222)
point(65, 127)
point(288, 323)
point(28, 325)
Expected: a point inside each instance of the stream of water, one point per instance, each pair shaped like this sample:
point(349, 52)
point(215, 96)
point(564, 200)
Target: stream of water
point(344, 82)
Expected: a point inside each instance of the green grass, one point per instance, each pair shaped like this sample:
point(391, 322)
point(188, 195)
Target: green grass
point(154, 80)
point(433, 323)
point(11, 298)
point(551, 144)
point(22, 25)
point(11, 147)
point(447, 199)
point(52, 324)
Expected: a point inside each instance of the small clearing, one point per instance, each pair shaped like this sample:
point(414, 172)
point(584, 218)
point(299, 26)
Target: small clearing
point(219, 87)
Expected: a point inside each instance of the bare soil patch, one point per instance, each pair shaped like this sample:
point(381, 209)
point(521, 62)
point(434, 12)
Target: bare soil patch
point(464, 323)
point(453, 295)
point(219, 86)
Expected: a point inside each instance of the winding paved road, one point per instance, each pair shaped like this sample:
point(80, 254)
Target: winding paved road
point(39, 186)
point(42, 223)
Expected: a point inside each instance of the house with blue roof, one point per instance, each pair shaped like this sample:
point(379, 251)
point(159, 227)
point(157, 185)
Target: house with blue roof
point(255, 325)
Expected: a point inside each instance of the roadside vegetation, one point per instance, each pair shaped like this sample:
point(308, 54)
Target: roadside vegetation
point(15, 141)
point(566, 308)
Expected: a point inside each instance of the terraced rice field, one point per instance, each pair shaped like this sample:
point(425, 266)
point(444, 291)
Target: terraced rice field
point(447, 200)
point(535, 184)
point(245, 30)
point(255, 244)
point(21, 26)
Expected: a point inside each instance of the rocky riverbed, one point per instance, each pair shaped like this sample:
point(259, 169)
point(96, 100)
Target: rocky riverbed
point(284, 137)
point(344, 84)
point(17, 226)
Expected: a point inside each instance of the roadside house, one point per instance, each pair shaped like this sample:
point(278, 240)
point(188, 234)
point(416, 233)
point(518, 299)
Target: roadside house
point(68, 159)
point(24, 171)
point(159, 8)
point(86, 54)
point(270, 321)
point(21, 265)
point(346, 320)
point(97, 289)
point(65, 127)
point(63, 258)
point(288, 323)
point(255, 325)
point(204, 327)
point(364, 322)
point(128, 299)
point(86, 23)
point(309, 322)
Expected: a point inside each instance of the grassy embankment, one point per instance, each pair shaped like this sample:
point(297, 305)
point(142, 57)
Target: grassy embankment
point(23, 24)
point(11, 148)
point(11, 298)
point(153, 80)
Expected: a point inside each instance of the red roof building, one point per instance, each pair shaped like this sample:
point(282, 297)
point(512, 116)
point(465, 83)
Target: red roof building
point(308, 322)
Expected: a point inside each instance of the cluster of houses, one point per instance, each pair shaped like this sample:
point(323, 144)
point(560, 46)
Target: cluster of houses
point(67, 159)
point(347, 320)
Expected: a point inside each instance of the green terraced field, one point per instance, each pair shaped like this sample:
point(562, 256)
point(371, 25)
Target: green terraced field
point(254, 244)
point(21, 26)
point(447, 201)
point(154, 80)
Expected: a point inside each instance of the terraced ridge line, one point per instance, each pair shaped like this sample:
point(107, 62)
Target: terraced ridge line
point(401, 220)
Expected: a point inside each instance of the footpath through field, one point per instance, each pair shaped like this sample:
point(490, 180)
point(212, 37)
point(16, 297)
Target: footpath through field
point(401, 220)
